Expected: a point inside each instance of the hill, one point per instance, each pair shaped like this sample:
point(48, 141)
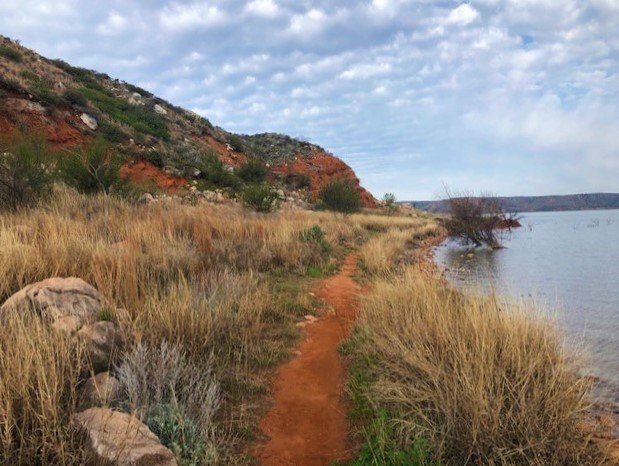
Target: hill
point(591, 201)
point(162, 143)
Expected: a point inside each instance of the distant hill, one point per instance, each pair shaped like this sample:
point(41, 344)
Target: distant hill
point(591, 201)
point(71, 105)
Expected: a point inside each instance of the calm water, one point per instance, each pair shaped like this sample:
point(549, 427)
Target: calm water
point(568, 262)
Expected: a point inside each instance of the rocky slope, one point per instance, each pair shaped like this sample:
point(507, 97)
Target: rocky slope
point(160, 141)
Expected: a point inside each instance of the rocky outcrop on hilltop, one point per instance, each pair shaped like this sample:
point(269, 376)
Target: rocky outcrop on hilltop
point(321, 168)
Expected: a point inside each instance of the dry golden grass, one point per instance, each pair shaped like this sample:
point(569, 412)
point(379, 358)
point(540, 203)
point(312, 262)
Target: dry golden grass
point(38, 379)
point(127, 251)
point(194, 276)
point(382, 252)
point(484, 382)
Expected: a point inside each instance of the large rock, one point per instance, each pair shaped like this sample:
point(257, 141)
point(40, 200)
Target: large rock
point(160, 110)
point(56, 298)
point(102, 340)
point(122, 439)
point(89, 121)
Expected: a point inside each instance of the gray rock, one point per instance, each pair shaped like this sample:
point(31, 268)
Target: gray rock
point(122, 439)
point(160, 110)
point(102, 341)
point(56, 298)
point(89, 121)
point(146, 198)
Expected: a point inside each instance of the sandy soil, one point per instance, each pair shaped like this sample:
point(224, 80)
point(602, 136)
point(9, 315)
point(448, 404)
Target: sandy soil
point(308, 423)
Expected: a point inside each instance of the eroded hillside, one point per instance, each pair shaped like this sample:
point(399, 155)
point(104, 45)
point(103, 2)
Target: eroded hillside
point(161, 143)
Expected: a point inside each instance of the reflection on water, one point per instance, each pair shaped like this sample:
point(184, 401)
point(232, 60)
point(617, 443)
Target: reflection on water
point(568, 262)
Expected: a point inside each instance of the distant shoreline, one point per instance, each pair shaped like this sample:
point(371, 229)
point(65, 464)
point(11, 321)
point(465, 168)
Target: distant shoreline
point(552, 203)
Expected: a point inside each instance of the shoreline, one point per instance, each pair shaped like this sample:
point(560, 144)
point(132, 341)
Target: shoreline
point(603, 413)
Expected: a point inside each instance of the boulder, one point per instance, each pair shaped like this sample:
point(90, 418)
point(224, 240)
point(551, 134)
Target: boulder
point(122, 439)
point(101, 389)
point(102, 340)
point(56, 298)
point(146, 198)
point(160, 110)
point(89, 121)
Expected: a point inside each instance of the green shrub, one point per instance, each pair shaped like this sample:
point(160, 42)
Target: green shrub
point(181, 435)
point(380, 447)
point(316, 235)
point(253, 171)
point(340, 196)
point(75, 98)
point(236, 142)
point(260, 197)
point(24, 171)
point(11, 54)
point(155, 157)
point(298, 180)
point(94, 168)
point(142, 118)
point(44, 93)
point(29, 75)
point(214, 173)
point(111, 133)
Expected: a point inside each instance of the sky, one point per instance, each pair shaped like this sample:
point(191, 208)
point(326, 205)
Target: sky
point(513, 97)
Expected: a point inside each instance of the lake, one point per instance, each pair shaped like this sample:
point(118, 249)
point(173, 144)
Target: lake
point(568, 263)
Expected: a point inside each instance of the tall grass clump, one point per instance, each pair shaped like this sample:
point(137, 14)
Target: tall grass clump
point(39, 372)
point(485, 383)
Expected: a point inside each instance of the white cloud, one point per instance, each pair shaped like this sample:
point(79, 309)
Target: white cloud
point(462, 15)
point(190, 16)
point(263, 8)
point(308, 24)
point(115, 23)
point(365, 71)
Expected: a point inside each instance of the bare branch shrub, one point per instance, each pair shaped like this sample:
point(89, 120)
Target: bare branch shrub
point(476, 220)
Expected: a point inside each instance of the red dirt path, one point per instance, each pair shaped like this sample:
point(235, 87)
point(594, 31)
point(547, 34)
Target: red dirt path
point(308, 423)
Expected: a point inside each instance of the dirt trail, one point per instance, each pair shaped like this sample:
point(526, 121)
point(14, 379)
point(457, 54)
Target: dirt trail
point(308, 424)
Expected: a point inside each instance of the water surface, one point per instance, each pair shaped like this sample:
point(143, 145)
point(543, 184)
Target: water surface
point(568, 262)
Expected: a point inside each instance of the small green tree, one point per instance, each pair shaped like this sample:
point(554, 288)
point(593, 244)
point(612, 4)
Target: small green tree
point(93, 168)
point(253, 171)
point(213, 171)
point(24, 171)
point(260, 197)
point(389, 201)
point(340, 196)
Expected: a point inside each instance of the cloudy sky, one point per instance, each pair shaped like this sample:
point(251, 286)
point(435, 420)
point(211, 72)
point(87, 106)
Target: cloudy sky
point(509, 96)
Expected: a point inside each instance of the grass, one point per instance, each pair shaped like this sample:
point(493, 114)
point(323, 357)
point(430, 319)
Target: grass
point(208, 280)
point(142, 118)
point(482, 381)
point(436, 377)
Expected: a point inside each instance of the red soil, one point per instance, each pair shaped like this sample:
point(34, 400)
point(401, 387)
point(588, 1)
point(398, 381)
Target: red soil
point(228, 157)
point(143, 172)
point(323, 168)
point(308, 424)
